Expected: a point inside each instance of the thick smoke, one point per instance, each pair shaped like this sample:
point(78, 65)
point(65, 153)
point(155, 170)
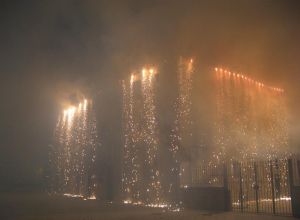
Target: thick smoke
point(52, 50)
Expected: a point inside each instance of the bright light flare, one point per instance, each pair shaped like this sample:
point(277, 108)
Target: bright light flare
point(132, 79)
point(143, 75)
point(72, 195)
point(75, 142)
point(247, 79)
point(92, 197)
point(69, 113)
point(132, 174)
point(85, 103)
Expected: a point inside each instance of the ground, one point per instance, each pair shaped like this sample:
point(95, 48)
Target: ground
point(37, 206)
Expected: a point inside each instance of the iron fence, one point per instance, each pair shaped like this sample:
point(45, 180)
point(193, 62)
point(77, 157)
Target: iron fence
point(254, 186)
point(261, 187)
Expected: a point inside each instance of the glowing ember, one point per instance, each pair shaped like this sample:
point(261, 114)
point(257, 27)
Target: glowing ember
point(73, 195)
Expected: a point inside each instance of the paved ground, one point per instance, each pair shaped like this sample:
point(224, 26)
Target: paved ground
point(24, 206)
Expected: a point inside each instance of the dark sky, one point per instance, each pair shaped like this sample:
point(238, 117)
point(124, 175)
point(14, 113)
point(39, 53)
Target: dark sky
point(51, 49)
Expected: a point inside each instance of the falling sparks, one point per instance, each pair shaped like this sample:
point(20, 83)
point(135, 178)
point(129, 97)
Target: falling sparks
point(182, 131)
point(251, 130)
point(141, 180)
point(246, 79)
point(74, 154)
point(251, 118)
point(131, 166)
point(249, 126)
point(151, 136)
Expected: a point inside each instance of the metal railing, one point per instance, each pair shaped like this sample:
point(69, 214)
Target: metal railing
point(254, 186)
point(261, 187)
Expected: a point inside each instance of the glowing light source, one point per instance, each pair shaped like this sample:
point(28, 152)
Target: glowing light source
point(140, 131)
point(182, 129)
point(73, 195)
point(245, 103)
point(238, 75)
point(74, 152)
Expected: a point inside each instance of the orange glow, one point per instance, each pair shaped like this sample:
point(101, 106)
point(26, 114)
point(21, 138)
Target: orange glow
point(245, 78)
point(145, 72)
point(132, 79)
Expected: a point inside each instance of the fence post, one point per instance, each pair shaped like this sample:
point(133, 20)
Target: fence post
point(241, 188)
point(225, 176)
point(226, 188)
point(291, 185)
point(256, 186)
point(272, 185)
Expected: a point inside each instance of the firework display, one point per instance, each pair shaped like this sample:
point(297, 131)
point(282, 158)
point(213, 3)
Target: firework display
point(142, 175)
point(74, 153)
point(251, 140)
point(182, 129)
point(246, 151)
point(251, 119)
point(141, 180)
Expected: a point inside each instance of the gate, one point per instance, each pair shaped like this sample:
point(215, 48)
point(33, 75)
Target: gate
point(294, 168)
point(260, 187)
point(271, 187)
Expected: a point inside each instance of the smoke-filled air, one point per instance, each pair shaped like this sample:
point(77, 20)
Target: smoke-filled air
point(149, 109)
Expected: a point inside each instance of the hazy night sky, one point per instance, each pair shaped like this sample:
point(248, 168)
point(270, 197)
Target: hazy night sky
point(50, 49)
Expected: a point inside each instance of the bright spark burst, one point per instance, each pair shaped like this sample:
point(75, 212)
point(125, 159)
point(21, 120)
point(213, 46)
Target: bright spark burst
point(251, 118)
point(182, 131)
point(74, 151)
point(141, 174)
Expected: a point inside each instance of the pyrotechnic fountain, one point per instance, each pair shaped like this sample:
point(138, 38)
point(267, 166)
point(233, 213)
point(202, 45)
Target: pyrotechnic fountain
point(251, 136)
point(74, 152)
point(141, 180)
point(251, 119)
point(182, 129)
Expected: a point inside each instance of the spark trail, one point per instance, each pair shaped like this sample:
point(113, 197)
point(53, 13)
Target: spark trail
point(182, 129)
point(250, 120)
point(141, 176)
point(74, 152)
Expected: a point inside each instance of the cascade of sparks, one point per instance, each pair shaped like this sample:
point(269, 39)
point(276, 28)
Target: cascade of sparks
point(182, 130)
point(251, 131)
point(251, 119)
point(141, 176)
point(154, 189)
point(131, 166)
point(74, 152)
